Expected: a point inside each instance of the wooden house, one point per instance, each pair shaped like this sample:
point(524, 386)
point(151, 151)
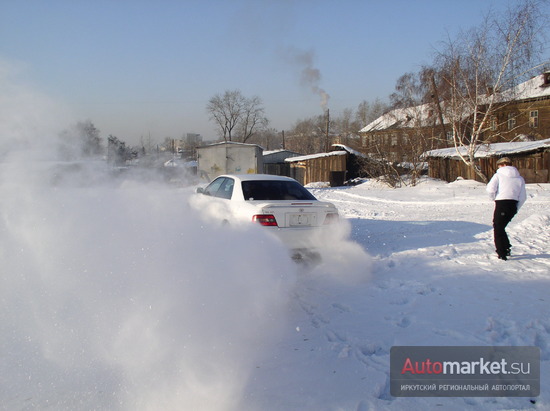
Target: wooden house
point(531, 158)
point(522, 112)
point(402, 134)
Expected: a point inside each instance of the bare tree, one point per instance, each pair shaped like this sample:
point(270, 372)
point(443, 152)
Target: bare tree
point(268, 138)
point(411, 90)
point(368, 112)
point(226, 110)
point(236, 116)
point(307, 136)
point(403, 134)
point(346, 127)
point(477, 68)
point(253, 118)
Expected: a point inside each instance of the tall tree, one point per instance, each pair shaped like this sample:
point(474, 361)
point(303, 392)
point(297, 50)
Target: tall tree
point(368, 112)
point(235, 115)
point(307, 136)
point(345, 126)
point(253, 118)
point(478, 66)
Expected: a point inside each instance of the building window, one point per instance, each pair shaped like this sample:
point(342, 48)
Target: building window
point(511, 121)
point(393, 139)
point(534, 118)
point(449, 136)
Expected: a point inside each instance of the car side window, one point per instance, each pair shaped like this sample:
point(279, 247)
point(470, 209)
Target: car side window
point(212, 188)
point(226, 188)
point(221, 187)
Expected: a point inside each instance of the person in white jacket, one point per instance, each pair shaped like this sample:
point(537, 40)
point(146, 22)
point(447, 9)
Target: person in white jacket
point(507, 188)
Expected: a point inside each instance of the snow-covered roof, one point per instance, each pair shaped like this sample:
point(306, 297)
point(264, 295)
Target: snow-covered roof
point(230, 143)
point(318, 155)
point(532, 88)
point(423, 115)
point(349, 150)
point(492, 150)
point(417, 116)
point(270, 152)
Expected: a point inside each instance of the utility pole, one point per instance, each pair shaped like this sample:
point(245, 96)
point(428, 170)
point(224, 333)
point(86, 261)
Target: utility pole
point(327, 131)
point(283, 139)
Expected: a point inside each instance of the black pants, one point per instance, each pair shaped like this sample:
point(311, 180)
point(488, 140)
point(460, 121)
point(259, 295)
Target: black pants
point(505, 210)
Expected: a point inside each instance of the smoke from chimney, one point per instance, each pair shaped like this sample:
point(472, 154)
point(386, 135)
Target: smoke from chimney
point(310, 76)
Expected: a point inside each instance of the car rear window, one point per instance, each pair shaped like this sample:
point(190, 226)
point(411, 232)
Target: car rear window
point(275, 190)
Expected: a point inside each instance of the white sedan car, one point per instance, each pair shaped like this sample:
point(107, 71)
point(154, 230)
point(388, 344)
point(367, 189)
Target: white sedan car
point(280, 204)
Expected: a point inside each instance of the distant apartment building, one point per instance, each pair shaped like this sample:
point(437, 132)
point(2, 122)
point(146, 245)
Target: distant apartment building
point(184, 146)
point(193, 139)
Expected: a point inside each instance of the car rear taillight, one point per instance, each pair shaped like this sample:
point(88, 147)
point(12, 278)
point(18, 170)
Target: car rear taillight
point(331, 218)
point(265, 219)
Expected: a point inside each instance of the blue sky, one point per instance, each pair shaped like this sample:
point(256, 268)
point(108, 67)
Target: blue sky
point(137, 68)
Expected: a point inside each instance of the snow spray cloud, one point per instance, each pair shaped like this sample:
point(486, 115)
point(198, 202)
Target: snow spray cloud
point(343, 260)
point(27, 118)
point(120, 298)
point(310, 76)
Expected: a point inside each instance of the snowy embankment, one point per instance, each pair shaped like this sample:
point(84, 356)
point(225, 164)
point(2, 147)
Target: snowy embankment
point(120, 297)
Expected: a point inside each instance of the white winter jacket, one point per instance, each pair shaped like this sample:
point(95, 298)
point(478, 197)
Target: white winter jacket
point(507, 184)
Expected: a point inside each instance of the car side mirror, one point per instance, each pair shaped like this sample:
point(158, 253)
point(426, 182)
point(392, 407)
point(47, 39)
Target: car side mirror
point(200, 190)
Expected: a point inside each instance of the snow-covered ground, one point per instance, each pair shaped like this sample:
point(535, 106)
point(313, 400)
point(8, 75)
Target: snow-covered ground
point(434, 280)
point(122, 297)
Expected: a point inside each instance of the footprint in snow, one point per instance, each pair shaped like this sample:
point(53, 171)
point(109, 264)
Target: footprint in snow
point(341, 307)
point(402, 322)
point(400, 301)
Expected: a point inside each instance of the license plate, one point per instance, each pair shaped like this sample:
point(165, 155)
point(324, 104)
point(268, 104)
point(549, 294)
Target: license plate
point(302, 219)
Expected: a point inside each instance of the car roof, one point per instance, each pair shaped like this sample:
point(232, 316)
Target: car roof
point(258, 177)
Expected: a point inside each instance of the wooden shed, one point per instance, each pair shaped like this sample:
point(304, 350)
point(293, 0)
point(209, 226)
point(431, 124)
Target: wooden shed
point(531, 158)
point(274, 162)
point(321, 167)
